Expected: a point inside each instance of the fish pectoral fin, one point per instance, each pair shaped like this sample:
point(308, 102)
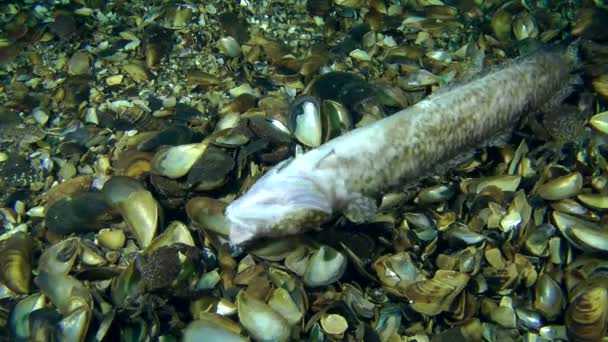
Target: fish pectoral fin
point(360, 208)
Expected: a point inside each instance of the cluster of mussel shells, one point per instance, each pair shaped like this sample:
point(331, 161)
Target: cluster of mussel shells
point(492, 257)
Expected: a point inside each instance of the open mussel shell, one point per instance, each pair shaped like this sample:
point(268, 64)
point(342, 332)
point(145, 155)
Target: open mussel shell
point(60, 257)
point(582, 234)
point(125, 286)
point(586, 315)
point(175, 233)
point(336, 119)
point(325, 266)
point(16, 254)
point(313, 121)
point(538, 239)
point(344, 87)
point(260, 320)
point(137, 206)
point(18, 319)
point(282, 302)
point(133, 163)
point(304, 121)
point(82, 212)
point(65, 292)
point(75, 325)
point(334, 325)
point(44, 325)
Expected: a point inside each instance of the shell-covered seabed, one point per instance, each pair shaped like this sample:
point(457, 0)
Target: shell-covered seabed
point(128, 127)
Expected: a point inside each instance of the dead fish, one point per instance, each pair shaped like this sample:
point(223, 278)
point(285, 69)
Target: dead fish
point(349, 173)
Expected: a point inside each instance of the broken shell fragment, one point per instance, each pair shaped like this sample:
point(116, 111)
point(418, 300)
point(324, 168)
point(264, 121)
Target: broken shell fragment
point(111, 239)
point(433, 296)
point(334, 325)
point(504, 183)
point(435, 194)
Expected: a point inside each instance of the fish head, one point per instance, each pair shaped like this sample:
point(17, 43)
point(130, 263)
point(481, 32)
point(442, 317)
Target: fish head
point(282, 202)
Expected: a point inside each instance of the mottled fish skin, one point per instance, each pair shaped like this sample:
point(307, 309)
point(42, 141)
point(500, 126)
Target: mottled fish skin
point(349, 172)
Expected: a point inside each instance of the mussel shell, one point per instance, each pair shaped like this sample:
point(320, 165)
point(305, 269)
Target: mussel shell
point(336, 119)
point(304, 121)
point(16, 254)
point(133, 163)
point(260, 320)
point(173, 135)
point(138, 207)
point(82, 212)
point(176, 161)
point(18, 320)
point(282, 302)
point(325, 266)
point(431, 297)
point(208, 213)
point(43, 325)
point(344, 87)
point(141, 212)
point(66, 292)
point(60, 257)
point(586, 316)
point(118, 188)
point(549, 297)
point(211, 169)
point(75, 325)
point(201, 330)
